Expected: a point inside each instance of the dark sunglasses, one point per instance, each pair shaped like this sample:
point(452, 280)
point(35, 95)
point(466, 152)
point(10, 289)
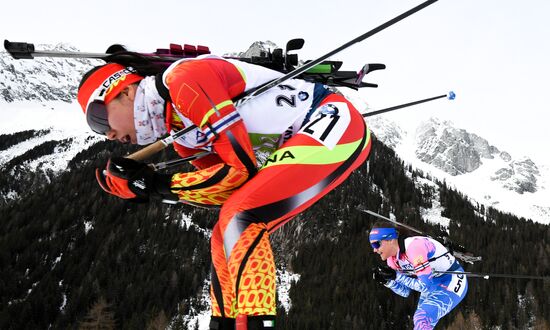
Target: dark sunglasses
point(375, 244)
point(96, 116)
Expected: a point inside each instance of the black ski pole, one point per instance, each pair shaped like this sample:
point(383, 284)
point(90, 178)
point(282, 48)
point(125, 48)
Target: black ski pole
point(175, 162)
point(450, 96)
point(296, 72)
point(487, 276)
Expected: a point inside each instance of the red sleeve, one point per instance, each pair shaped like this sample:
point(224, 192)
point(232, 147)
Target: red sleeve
point(202, 90)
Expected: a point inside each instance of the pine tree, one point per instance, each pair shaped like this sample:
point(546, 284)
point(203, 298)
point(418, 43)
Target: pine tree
point(541, 324)
point(100, 317)
point(160, 322)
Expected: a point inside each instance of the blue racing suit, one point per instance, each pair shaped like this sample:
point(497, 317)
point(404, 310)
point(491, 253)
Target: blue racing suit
point(417, 269)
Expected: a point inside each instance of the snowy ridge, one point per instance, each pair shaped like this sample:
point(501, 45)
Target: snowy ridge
point(385, 130)
point(63, 121)
point(42, 79)
point(490, 176)
point(256, 49)
point(40, 94)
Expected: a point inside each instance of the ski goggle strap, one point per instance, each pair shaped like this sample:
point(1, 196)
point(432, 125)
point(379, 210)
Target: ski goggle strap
point(380, 234)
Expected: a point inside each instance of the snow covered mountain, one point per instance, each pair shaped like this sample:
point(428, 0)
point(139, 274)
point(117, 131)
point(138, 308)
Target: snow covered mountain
point(42, 79)
point(256, 49)
point(480, 170)
point(43, 129)
point(458, 152)
point(39, 95)
point(465, 160)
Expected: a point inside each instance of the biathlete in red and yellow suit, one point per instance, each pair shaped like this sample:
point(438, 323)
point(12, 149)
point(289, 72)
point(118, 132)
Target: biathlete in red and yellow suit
point(271, 158)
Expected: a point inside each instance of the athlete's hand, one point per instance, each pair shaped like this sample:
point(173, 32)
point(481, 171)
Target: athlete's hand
point(131, 180)
point(383, 274)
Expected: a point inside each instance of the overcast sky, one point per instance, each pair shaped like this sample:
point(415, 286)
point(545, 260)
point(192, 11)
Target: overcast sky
point(493, 53)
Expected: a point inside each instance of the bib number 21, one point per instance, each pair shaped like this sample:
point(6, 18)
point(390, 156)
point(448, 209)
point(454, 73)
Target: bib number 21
point(328, 124)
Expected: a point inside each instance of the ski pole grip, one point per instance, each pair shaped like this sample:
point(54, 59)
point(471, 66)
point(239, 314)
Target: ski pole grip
point(19, 50)
point(152, 149)
point(148, 151)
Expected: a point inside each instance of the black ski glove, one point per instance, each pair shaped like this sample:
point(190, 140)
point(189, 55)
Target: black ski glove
point(132, 180)
point(383, 274)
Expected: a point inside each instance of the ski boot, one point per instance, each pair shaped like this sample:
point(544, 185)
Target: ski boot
point(221, 323)
point(260, 322)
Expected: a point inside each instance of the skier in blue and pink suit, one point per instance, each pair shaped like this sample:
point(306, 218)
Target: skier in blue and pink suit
point(414, 264)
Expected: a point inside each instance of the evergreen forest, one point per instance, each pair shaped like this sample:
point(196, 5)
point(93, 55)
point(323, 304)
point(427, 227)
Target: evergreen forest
point(73, 257)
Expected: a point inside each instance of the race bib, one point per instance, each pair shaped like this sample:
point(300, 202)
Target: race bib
point(328, 123)
point(458, 284)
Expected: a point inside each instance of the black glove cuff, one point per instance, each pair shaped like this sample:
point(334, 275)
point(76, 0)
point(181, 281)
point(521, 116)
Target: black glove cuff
point(125, 168)
point(161, 186)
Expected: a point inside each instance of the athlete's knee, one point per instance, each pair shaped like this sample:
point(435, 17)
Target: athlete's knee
point(426, 315)
point(216, 240)
point(422, 320)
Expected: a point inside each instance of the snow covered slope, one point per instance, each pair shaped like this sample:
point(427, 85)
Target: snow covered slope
point(471, 164)
point(465, 160)
point(60, 121)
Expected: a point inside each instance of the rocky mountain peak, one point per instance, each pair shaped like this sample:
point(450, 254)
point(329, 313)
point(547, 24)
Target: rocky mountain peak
point(520, 176)
point(386, 131)
point(258, 48)
point(457, 152)
point(451, 149)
